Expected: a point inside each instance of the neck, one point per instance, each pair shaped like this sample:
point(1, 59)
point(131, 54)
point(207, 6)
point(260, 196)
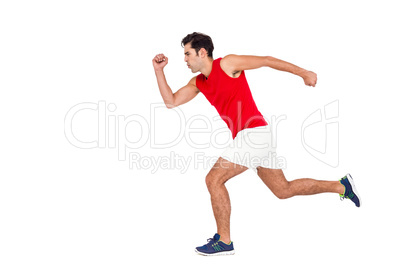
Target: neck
point(206, 71)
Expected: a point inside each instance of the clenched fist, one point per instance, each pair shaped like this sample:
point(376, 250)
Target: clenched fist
point(159, 62)
point(310, 78)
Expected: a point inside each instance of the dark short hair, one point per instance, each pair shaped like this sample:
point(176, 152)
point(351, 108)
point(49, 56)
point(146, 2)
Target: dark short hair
point(198, 41)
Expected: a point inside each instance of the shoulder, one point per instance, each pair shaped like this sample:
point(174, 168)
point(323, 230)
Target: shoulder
point(197, 78)
point(236, 63)
point(193, 81)
point(197, 81)
point(228, 59)
point(228, 65)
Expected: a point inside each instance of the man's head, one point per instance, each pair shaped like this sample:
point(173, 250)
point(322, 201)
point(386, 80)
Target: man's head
point(199, 41)
point(198, 47)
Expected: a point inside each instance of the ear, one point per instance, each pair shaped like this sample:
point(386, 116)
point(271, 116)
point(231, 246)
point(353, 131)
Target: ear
point(203, 53)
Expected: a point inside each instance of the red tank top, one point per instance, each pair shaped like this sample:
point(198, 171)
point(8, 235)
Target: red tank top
point(232, 99)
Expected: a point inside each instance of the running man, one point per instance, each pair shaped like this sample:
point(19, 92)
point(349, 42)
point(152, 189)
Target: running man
point(224, 84)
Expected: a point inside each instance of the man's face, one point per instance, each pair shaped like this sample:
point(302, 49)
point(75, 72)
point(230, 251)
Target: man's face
point(191, 58)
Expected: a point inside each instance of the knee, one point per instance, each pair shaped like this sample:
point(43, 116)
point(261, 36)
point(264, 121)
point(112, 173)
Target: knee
point(212, 181)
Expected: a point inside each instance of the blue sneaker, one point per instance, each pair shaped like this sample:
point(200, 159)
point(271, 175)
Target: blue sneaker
point(215, 247)
point(350, 190)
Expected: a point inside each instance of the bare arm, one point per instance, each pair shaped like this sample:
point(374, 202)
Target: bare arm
point(183, 95)
point(233, 64)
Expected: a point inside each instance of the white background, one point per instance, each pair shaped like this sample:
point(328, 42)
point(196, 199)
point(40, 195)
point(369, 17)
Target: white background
point(62, 206)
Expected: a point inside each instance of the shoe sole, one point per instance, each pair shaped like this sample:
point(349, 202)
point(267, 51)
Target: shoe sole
point(222, 253)
point(354, 188)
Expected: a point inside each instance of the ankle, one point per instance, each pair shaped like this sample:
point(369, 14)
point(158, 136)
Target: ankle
point(225, 240)
point(341, 188)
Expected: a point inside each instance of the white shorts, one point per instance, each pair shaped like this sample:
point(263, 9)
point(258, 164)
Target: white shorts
point(252, 148)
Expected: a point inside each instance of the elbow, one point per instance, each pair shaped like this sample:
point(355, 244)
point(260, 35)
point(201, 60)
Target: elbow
point(269, 59)
point(170, 105)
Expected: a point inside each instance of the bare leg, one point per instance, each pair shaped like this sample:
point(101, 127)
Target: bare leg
point(220, 173)
point(277, 183)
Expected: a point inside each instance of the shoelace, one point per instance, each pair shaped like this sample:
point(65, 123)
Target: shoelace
point(210, 239)
point(349, 196)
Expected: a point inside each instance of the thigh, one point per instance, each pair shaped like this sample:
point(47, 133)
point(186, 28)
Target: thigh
point(223, 170)
point(273, 178)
